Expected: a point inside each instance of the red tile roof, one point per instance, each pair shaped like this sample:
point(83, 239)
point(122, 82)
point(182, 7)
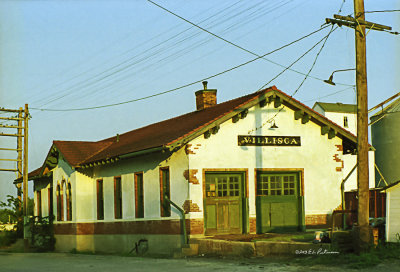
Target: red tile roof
point(75, 152)
point(168, 131)
point(78, 153)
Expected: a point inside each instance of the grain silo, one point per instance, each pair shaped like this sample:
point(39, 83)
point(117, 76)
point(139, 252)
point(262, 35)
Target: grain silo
point(385, 131)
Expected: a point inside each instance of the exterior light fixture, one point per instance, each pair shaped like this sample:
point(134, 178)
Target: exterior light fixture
point(274, 125)
point(330, 80)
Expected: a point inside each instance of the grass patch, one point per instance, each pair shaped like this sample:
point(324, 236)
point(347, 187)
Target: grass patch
point(351, 260)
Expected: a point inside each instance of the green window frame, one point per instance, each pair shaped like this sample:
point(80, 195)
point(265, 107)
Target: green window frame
point(222, 185)
point(100, 199)
point(117, 198)
point(276, 184)
point(139, 196)
point(165, 206)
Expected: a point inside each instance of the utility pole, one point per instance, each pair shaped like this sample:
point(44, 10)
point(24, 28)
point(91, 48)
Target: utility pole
point(362, 130)
point(358, 23)
point(25, 178)
point(19, 158)
point(21, 169)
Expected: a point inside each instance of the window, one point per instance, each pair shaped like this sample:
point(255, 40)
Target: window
point(39, 203)
point(345, 122)
point(69, 202)
point(100, 200)
point(223, 185)
point(64, 201)
point(164, 192)
point(276, 184)
point(59, 201)
point(117, 198)
point(50, 202)
point(139, 197)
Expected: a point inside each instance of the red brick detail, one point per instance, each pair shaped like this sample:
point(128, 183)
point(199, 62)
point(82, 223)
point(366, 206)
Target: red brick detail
point(189, 206)
point(195, 226)
point(318, 220)
point(253, 224)
point(190, 149)
point(336, 158)
point(127, 227)
point(190, 175)
point(339, 147)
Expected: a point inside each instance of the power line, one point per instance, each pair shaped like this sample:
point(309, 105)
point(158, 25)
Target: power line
point(287, 68)
point(389, 10)
point(309, 50)
point(315, 61)
point(195, 82)
point(330, 94)
point(231, 43)
point(130, 62)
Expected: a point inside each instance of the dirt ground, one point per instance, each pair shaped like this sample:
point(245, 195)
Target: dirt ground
point(58, 262)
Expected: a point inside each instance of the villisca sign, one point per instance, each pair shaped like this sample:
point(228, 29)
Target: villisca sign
point(269, 140)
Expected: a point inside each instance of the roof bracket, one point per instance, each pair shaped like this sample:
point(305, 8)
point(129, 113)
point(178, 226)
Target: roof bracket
point(331, 133)
point(277, 101)
point(244, 113)
point(306, 117)
point(324, 130)
point(298, 114)
point(215, 129)
point(263, 103)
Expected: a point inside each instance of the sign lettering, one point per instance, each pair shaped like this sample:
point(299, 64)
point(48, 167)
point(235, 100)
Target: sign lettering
point(247, 140)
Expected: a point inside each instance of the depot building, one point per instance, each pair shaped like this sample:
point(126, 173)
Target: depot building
point(258, 163)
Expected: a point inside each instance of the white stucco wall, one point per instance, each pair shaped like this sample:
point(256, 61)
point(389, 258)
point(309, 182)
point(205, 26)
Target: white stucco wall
point(150, 166)
point(64, 172)
point(393, 213)
point(338, 118)
point(315, 156)
point(350, 160)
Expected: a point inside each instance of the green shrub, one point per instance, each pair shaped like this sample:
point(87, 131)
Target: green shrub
point(7, 237)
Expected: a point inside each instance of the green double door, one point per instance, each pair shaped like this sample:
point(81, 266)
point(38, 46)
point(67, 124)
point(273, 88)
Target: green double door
point(225, 203)
point(278, 202)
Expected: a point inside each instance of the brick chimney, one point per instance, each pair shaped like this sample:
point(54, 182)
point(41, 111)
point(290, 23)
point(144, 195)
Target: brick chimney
point(206, 98)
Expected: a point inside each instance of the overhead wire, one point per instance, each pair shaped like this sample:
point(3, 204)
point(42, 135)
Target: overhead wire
point(229, 42)
point(325, 38)
point(141, 70)
point(376, 11)
point(192, 83)
point(330, 94)
point(78, 86)
point(175, 55)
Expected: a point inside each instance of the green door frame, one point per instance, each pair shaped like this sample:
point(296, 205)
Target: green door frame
point(298, 201)
point(243, 202)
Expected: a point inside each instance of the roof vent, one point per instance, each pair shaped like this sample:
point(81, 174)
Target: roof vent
point(206, 98)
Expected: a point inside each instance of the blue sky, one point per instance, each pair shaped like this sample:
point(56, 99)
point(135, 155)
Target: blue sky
point(76, 54)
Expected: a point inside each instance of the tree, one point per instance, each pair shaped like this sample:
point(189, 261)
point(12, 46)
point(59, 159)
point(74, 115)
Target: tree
point(12, 211)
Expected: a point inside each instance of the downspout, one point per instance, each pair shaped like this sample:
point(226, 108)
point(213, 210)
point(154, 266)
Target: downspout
point(342, 194)
point(183, 220)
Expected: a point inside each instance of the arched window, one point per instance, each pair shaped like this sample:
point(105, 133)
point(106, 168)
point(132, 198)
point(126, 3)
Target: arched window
point(59, 201)
point(64, 208)
point(69, 202)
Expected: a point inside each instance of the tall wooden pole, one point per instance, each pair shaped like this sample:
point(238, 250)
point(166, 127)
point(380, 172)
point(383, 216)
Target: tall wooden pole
point(362, 130)
point(25, 177)
point(19, 158)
